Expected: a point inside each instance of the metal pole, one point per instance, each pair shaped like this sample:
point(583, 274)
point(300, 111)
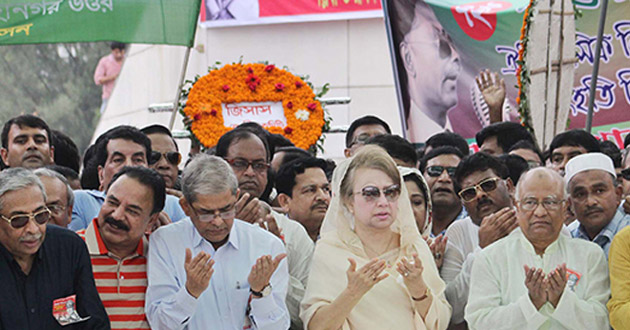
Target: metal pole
point(595, 75)
point(179, 88)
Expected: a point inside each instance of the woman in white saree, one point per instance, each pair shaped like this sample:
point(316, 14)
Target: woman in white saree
point(371, 269)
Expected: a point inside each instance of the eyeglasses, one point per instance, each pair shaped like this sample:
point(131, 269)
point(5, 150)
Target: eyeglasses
point(549, 203)
point(56, 210)
point(210, 215)
point(362, 139)
point(20, 220)
point(487, 186)
point(436, 171)
point(172, 157)
point(241, 165)
point(625, 174)
point(371, 193)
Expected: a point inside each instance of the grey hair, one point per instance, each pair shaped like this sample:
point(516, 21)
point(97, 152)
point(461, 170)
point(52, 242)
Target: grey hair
point(551, 174)
point(13, 179)
point(42, 171)
point(207, 175)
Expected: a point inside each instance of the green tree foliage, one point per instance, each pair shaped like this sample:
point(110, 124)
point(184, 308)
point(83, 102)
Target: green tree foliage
point(54, 82)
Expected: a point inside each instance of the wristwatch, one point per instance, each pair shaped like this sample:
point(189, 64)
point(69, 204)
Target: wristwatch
point(265, 291)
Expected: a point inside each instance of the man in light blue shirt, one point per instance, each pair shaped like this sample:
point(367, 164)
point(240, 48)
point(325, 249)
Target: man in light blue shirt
point(594, 196)
point(211, 271)
point(119, 147)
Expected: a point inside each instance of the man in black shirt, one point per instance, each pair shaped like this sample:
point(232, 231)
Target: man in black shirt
point(41, 265)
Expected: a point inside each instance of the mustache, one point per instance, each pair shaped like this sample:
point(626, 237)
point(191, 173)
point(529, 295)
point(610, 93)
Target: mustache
point(593, 209)
point(483, 202)
point(318, 204)
point(33, 237)
point(117, 223)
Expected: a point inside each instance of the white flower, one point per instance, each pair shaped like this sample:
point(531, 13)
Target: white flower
point(302, 115)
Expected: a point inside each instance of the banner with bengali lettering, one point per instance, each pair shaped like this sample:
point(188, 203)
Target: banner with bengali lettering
point(220, 13)
point(439, 47)
point(170, 22)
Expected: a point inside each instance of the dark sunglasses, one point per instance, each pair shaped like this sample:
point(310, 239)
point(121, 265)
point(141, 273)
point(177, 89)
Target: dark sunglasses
point(172, 157)
point(20, 220)
point(625, 174)
point(487, 186)
point(371, 193)
point(436, 171)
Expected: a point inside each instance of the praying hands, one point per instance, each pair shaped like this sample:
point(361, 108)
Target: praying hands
point(545, 287)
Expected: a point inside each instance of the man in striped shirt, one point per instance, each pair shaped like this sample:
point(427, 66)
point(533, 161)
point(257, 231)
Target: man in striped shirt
point(118, 245)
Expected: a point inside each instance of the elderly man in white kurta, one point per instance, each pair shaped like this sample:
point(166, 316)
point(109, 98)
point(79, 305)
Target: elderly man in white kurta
point(536, 278)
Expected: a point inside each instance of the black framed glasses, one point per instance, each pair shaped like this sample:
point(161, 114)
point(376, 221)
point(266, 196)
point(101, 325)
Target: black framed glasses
point(470, 193)
point(20, 220)
point(445, 45)
point(172, 157)
point(241, 165)
point(436, 171)
point(372, 193)
point(549, 203)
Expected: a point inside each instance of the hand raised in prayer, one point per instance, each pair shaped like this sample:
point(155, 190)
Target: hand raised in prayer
point(438, 247)
point(269, 223)
point(555, 283)
point(248, 209)
point(411, 271)
point(493, 91)
point(198, 272)
point(362, 280)
point(261, 272)
point(534, 281)
point(496, 226)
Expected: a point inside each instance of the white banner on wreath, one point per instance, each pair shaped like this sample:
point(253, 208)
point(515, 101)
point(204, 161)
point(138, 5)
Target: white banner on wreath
point(267, 114)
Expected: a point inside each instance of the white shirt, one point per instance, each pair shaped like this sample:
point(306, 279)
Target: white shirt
point(300, 249)
point(499, 298)
point(224, 304)
point(461, 249)
point(421, 127)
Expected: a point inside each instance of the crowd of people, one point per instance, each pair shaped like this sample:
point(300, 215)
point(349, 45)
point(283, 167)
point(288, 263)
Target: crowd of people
point(255, 233)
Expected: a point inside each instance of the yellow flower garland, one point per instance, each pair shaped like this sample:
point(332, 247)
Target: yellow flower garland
point(236, 83)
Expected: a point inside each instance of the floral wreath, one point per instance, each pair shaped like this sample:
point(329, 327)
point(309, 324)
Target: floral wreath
point(255, 82)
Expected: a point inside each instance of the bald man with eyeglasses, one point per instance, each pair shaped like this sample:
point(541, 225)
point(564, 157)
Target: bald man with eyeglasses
point(536, 278)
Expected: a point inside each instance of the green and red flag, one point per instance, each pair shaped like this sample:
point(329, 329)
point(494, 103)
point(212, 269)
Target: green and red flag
point(171, 22)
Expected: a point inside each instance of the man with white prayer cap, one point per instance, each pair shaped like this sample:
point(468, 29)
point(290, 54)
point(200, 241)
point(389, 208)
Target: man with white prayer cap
point(536, 278)
point(594, 197)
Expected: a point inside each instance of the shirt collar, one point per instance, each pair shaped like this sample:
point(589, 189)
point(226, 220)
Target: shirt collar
point(197, 239)
point(529, 247)
point(96, 246)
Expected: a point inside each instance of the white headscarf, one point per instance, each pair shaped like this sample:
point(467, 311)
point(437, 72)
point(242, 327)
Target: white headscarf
point(428, 221)
point(339, 220)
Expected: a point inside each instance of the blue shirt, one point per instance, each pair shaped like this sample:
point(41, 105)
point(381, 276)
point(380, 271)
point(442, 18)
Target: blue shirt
point(87, 205)
point(224, 304)
point(605, 236)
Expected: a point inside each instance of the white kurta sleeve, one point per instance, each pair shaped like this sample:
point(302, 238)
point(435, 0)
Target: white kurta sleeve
point(578, 313)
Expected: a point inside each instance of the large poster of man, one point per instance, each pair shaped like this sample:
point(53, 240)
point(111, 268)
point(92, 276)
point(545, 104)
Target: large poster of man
point(439, 47)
